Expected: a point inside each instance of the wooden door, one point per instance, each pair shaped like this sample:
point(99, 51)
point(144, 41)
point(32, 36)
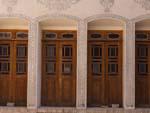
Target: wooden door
point(13, 67)
point(142, 78)
point(59, 68)
point(104, 68)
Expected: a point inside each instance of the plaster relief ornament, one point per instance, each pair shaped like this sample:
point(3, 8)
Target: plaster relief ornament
point(107, 4)
point(144, 3)
point(57, 5)
point(9, 4)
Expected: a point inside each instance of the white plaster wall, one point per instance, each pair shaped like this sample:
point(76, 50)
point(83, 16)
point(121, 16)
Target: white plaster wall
point(83, 9)
point(81, 12)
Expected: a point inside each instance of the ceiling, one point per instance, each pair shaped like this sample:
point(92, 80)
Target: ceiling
point(59, 22)
point(13, 23)
point(106, 24)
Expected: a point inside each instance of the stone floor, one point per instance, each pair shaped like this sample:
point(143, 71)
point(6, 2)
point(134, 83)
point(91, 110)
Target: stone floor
point(71, 110)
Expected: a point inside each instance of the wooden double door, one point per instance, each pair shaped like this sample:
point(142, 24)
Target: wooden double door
point(142, 70)
point(104, 68)
point(13, 67)
point(59, 68)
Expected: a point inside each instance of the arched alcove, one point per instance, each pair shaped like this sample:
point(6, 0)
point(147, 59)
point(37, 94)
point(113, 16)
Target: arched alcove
point(142, 64)
point(13, 61)
point(59, 62)
point(105, 60)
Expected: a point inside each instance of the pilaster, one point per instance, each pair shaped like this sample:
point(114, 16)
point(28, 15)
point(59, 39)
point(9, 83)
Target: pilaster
point(82, 65)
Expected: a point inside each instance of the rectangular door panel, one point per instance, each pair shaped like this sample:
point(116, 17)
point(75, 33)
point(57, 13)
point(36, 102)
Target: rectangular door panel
point(68, 73)
point(114, 91)
point(5, 72)
point(20, 72)
point(96, 74)
point(97, 94)
point(142, 92)
point(21, 92)
point(50, 74)
point(113, 73)
point(4, 90)
point(51, 93)
point(142, 85)
point(68, 93)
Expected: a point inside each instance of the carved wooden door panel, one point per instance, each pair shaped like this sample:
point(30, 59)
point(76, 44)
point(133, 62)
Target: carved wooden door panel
point(104, 68)
point(59, 68)
point(142, 78)
point(13, 67)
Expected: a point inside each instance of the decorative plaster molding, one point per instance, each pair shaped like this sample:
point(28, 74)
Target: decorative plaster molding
point(57, 5)
point(144, 3)
point(107, 4)
point(10, 4)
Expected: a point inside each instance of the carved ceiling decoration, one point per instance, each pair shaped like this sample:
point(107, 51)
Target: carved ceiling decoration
point(107, 4)
point(9, 4)
point(144, 3)
point(57, 5)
